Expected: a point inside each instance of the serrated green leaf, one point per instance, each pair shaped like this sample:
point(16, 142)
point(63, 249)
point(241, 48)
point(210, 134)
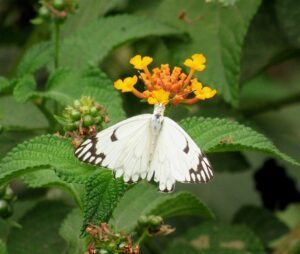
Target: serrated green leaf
point(87, 13)
point(262, 222)
point(65, 85)
point(48, 178)
point(213, 238)
point(221, 135)
point(70, 229)
point(25, 88)
point(14, 114)
point(216, 31)
point(144, 199)
point(38, 56)
point(102, 194)
point(88, 46)
point(44, 152)
point(39, 232)
point(4, 83)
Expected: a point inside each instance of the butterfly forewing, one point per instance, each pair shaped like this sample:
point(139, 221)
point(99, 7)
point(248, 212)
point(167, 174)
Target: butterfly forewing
point(123, 147)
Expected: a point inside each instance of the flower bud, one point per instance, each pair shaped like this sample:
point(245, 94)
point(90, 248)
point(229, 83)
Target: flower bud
point(75, 114)
point(9, 194)
point(44, 12)
point(58, 4)
point(87, 120)
point(6, 209)
point(94, 111)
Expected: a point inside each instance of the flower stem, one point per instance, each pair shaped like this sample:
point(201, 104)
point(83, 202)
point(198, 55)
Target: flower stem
point(143, 237)
point(56, 44)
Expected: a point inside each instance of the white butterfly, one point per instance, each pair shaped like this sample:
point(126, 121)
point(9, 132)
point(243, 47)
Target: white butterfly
point(148, 146)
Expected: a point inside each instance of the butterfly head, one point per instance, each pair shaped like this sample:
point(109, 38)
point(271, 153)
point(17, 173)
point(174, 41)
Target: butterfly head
point(159, 109)
point(157, 117)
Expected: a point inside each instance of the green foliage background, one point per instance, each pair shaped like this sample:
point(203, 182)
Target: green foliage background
point(252, 50)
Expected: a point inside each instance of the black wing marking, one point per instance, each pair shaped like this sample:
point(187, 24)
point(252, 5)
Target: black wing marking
point(87, 152)
point(203, 172)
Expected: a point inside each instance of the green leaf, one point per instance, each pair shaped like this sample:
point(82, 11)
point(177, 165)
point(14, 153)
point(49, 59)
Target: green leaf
point(288, 13)
point(216, 31)
point(222, 135)
point(44, 152)
point(44, 178)
point(2, 247)
point(234, 162)
point(265, 43)
point(261, 221)
point(65, 85)
point(291, 215)
point(144, 199)
point(87, 13)
point(213, 238)
point(14, 114)
point(38, 56)
point(25, 88)
point(4, 83)
point(48, 178)
point(88, 46)
point(70, 229)
point(261, 91)
point(102, 195)
point(39, 232)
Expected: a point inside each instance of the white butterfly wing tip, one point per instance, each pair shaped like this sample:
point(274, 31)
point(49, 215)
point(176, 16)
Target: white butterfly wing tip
point(135, 178)
point(118, 173)
point(127, 178)
point(166, 187)
point(143, 175)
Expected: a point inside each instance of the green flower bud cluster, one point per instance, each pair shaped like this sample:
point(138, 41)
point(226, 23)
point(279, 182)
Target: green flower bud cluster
point(84, 116)
point(56, 10)
point(152, 223)
point(106, 242)
point(7, 198)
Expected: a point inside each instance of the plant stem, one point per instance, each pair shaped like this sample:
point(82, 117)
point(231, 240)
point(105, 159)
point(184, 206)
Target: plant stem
point(56, 44)
point(273, 105)
point(143, 237)
point(49, 115)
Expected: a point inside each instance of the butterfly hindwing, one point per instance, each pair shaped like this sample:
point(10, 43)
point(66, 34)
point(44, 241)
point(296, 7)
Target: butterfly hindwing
point(178, 158)
point(123, 147)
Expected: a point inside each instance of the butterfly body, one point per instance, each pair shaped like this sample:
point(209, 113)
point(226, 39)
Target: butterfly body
point(148, 146)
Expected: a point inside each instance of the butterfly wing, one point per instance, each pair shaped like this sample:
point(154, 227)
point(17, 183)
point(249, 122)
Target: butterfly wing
point(123, 147)
point(177, 158)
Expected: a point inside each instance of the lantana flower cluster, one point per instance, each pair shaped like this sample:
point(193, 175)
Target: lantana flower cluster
point(164, 85)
